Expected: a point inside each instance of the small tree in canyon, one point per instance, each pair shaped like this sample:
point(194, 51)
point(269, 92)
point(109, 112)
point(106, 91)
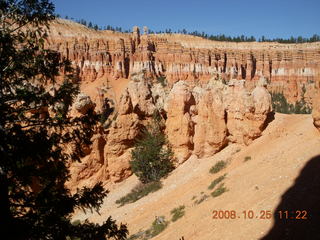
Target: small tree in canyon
point(152, 156)
point(35, 129)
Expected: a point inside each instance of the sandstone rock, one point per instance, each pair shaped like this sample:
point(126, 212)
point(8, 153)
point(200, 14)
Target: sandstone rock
point(159, 95)
point(210, 129)
point(316, 109)
point(238, 107)
point(139, 91)
point(120, 138)
point(121, 134)
point(262, 82)
point(98, 54)
point(91, 169)
point(203, 112)
point(197, 92)
point(262, 101)
point(97, 152)
point(83, 103)
point(246, 112)
point(119, 167)
point(179, 127)
point(262, 109)
point(125, 105)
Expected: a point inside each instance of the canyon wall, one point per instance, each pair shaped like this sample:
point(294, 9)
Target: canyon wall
point(215, 93)
point(198, 121)
point(111, 55)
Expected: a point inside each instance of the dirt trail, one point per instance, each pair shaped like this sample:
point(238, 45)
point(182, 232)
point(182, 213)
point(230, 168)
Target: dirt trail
point(277, 158)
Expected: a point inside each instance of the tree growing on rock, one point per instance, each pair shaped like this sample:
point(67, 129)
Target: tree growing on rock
point(35, 129)
point(152, 156)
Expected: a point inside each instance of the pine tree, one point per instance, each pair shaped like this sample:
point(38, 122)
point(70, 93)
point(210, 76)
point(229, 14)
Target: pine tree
point(152, 156)
point(35, 129)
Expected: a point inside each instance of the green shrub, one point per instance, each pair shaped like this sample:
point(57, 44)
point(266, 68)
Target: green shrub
point(139, 192)
point(281, 105)
point(177, 213)
point(152, 156)
point(216, 181)
point(218, 167)
point(247, 158)
point(162, 80)
point(220, 190)
point(76, 222)
point(138, 235)
point(157, 227)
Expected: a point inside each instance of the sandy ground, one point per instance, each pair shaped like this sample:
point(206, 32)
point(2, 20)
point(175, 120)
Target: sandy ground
point(113, 89)
point(277, 158)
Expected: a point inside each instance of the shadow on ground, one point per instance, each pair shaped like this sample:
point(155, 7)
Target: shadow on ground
point(304, 195)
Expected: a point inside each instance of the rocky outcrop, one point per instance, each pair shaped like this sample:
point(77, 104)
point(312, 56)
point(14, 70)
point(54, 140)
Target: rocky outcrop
point(111, 55)
point(210, 123)
point(212, 96)
point(83, 104)
point(316, 109)
point(90, 170)
point(200, 120)
point(140, 94)
point(109, 154)
point(204, 120)
point(247, 112)
point(179, 126)
point(119, 140)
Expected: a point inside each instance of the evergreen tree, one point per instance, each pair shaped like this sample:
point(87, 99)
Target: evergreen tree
point(152, 156)
point(35, 129)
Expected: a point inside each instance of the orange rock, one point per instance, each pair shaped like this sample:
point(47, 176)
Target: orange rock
point(202, 114)
point(247, 112)
point(121, 137)
point(107, 54)
point(210, 129)
point(140, 95)
point(83, 103)
point(316, 109)
point(179, 126)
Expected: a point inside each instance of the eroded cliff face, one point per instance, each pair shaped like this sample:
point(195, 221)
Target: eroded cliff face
point(199, 121)
point(109, 55)
point(216, 94)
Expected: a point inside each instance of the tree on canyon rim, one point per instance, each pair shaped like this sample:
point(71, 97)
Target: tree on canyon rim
point(35, 129)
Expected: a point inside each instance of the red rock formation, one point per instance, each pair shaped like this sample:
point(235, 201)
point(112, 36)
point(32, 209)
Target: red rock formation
point(120, 138)
point(202, 113)
point(105, 54)
point(247, 112)
point(199, 120)
point(210, 129)
point(203, 120)
point(179, 126)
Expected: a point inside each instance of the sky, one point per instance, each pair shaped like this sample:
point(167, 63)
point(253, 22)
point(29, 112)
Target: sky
point(271, 18)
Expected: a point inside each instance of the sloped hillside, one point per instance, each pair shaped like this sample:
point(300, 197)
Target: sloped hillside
point(258, 178)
